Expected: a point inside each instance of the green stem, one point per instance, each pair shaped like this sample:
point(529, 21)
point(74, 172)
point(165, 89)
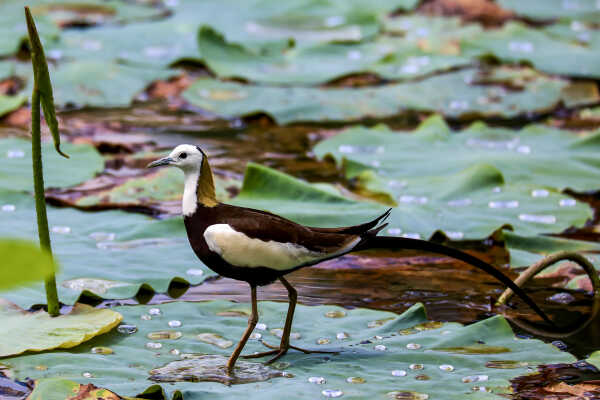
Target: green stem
point(40, 201)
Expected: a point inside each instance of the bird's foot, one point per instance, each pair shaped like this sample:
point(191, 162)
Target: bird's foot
point(281, 351)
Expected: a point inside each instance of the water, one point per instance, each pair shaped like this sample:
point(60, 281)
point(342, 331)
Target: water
point(538, 219)
point(212, 368)
point(127, 329)
point(332, 393)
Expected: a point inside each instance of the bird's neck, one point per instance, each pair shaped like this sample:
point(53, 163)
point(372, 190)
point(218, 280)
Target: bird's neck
point(199, 189)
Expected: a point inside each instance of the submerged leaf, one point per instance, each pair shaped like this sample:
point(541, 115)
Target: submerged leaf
point(23, 331)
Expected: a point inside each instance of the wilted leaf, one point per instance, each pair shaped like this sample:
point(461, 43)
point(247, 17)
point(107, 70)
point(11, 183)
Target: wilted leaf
point(63, 389)
point(23, 331)
point(23, 262)
point(432, 359)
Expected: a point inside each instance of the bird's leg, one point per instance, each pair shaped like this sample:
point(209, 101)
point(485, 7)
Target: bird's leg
point(251, 324)
point(284, 346)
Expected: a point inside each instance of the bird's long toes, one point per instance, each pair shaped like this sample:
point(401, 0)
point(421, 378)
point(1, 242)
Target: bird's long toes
point(280, 354)
point(263, 354)
point(270, 346)
point(313, 351)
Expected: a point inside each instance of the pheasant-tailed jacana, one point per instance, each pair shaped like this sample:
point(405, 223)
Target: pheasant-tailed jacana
point(259, 247)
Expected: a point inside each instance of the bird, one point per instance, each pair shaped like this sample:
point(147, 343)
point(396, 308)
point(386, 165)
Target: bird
point(259, 247)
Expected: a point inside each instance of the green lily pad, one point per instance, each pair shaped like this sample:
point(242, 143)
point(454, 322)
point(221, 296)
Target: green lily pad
point(391, 58)
point(516, 42)
point(109, 254)
point(263, 23)
point(449, 94)
point(402, 353)
point(536, 154)
point(23, 331)
point(157, 44)
point(73, 85)
point(23, 261)
point(472, 193)
point(16, 173)
point(13, 30)
point(586, 10)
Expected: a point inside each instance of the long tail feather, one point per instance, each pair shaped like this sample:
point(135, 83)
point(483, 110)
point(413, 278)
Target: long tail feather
point(398, 243)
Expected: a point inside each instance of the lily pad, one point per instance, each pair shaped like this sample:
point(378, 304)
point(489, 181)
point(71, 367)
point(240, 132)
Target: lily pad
point(586, 10)
point(109, 254)
point(401, 354)
point(37, 331)
point(13, 30)
point(391, 58)
point(536, 154)
point(455, 94)
point(73, 85)
point(158, 43)
point(516, 42)
point(23, 262)
point(16, 173)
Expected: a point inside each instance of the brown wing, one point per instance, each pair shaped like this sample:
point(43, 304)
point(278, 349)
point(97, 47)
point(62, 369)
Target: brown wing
point(266, 226)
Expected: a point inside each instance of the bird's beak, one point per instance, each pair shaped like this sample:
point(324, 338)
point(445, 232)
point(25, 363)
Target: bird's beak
point(161, 162)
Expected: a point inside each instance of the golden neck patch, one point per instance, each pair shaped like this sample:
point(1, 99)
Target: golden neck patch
point(205, 188)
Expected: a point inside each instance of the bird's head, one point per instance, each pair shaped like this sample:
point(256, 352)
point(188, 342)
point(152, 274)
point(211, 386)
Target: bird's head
point(186, 157)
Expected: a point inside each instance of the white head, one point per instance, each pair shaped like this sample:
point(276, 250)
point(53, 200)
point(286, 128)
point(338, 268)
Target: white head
point(186, 157)
point(199, 186)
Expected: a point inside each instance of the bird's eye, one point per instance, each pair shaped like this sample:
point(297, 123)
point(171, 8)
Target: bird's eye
point(183, 155)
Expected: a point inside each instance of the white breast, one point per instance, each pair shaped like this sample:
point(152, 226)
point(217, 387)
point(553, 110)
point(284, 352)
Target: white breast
point(242, 251)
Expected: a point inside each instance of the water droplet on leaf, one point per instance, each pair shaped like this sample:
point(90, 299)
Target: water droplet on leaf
point(146, 317)
point(8, 208)
point(319, 380)
point(323, 341)
point(87, 375)
point(15, 154)
point(413, 346)
point(567, 202)
point(341, 336)
point(355, 379)
point(447, 367)
point(380, 347)
point(102, 350)
point(127, 329)
point(540, 193)
point(174, 324)
point(399, 372)
point(332, 393)
point(538, 219)
point(153, 345)
point(335, 314)
point(416, 366)
point(194, 272)
point(164, 335)
point(475, 378)
point(154, 311)
point(63, 230)
point(214, 339)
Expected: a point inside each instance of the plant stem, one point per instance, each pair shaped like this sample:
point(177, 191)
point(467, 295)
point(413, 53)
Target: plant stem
point(40, 201)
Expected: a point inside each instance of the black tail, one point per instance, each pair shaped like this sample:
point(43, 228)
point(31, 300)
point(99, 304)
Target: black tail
point(398, 243)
